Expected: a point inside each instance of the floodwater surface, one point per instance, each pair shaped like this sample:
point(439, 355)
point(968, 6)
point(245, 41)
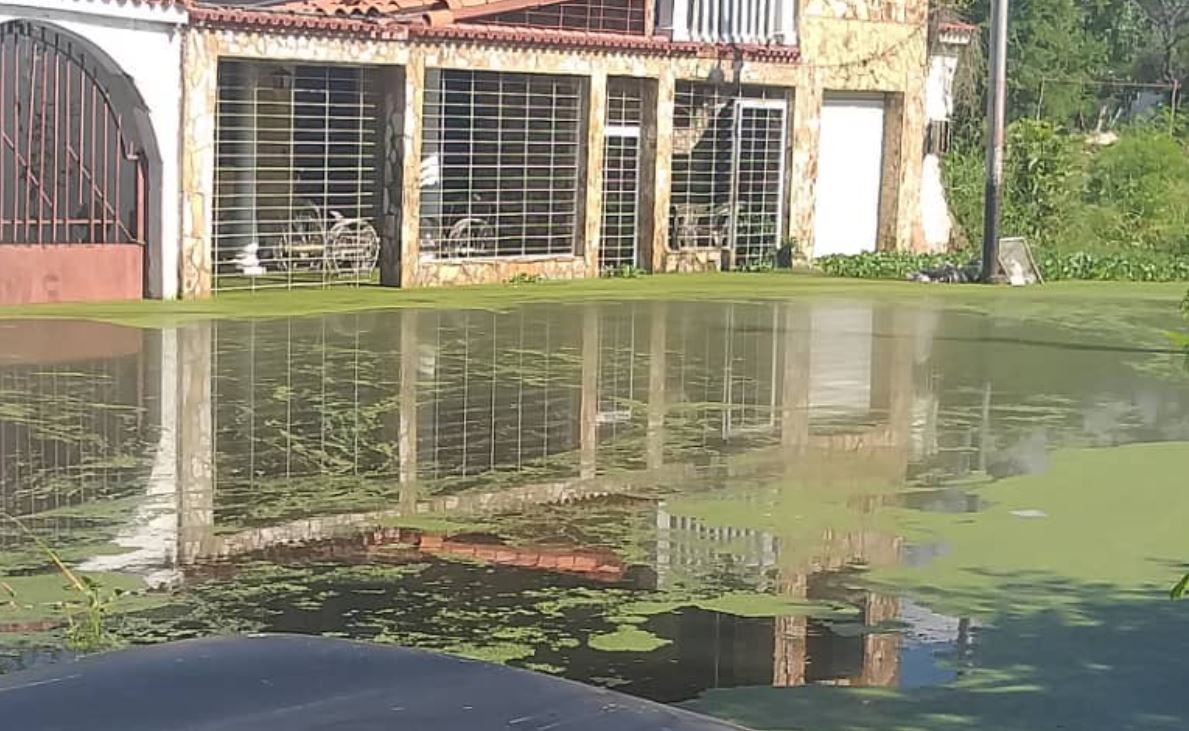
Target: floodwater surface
point(826, 513)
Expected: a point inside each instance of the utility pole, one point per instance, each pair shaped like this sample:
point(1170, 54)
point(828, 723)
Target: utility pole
point(996, 114)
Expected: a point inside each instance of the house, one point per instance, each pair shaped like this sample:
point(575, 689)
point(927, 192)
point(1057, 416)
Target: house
point(428, 142)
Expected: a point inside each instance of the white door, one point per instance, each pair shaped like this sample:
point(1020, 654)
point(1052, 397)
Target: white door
point(850, 170)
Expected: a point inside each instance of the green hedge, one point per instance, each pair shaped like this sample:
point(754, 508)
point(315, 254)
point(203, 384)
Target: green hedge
point(1143, 266)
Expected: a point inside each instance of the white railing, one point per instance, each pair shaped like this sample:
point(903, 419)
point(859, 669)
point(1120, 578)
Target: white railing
point(729, 21)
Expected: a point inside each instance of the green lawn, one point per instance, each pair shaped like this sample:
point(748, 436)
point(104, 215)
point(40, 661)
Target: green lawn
point(724, 286)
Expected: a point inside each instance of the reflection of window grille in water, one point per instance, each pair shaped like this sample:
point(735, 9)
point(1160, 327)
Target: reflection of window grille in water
point(505, 397)
point(618, 242)
point(71, 434)
point(502, 161)
point(622, 385)
point(751, 370)
point(305, 418)
point(728, 170)
point(296, 175)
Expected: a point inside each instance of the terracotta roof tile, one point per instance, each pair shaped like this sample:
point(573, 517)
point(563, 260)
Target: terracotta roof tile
point(355, 8)
point(362, 18)
point(479, 33)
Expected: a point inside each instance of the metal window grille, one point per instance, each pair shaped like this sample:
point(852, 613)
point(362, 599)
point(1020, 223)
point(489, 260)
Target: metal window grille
point(296, 176)
point(70, 171)
point(502, 164)
point(619, 239)
point(759, 181)
point(728, 168)
point(600, 16)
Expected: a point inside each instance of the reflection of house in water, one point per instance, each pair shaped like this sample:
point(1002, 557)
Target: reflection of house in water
point(306, 432)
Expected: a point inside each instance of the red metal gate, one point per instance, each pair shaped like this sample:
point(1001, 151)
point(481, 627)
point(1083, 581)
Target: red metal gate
point(72, 177)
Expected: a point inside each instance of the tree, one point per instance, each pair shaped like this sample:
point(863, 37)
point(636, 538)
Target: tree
point(1169, 24)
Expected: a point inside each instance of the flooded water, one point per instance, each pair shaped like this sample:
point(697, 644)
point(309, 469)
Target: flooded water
point(819, 514)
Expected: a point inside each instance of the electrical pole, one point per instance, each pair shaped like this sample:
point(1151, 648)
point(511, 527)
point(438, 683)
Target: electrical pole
point(996, 114)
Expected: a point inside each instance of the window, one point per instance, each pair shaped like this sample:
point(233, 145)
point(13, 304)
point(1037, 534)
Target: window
point(502, 164)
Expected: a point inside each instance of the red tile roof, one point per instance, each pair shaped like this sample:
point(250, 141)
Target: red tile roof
point(478, 33)
point(434, 19)
point(356, 8)
point(223, 16)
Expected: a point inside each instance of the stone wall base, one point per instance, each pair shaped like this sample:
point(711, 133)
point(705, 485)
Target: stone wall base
point(434, 273)
point(693, 260)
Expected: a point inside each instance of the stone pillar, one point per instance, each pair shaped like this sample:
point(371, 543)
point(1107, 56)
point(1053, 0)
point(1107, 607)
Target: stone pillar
point(900, 224)
point(195, 444)
point(199, 91)
point(596, 120)
point(390, 160)
point(657, 399)
point(806, 140)
point(889, 190)
point(588, 427)
point(657, 168)
point(411, 139)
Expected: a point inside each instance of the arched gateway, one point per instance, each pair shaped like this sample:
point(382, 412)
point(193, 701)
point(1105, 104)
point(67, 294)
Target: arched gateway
point(73, 171)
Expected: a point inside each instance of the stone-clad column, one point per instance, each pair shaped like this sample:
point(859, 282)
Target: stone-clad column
point(657, 165)
point(596, 120)
point(390, 161)
point(199, 92)
point(411, 137)
point(806, 139)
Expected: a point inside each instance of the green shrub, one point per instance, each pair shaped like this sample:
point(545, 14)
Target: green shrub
point(1043, 180)
point(1144, 179)
point(1044, 175)
point(883, 264)
point(1090, 212)
point(1054, 265)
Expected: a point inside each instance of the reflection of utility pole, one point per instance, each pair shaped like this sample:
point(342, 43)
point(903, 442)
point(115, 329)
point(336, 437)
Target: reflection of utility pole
point(996, 113)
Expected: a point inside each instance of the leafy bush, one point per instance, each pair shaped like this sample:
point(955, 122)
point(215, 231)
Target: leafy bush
point(1043, 179)
point(1144, 178)
point(1054, 265)
point(1135, 266)
point(1118, 211)
point(883, 264)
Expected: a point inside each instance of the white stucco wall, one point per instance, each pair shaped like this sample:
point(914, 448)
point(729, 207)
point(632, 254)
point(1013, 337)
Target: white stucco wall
point(939, 106)
point(145, 42)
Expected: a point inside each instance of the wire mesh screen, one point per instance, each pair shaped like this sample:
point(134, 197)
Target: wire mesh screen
point(70, 168)
point(502, 164)
point(619, 239)
point(759, 182)
point(296, 176)
point(603, 16)
point(715, 149)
